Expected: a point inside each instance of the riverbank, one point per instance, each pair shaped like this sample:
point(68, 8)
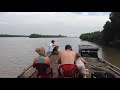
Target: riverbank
point(45, 36)
point(115, 44)
point(6, 35)
point(33, 36)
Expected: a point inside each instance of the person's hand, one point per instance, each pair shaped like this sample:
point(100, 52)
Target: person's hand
point(87, 63)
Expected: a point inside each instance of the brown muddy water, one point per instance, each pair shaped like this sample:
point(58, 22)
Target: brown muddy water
point(16, 54)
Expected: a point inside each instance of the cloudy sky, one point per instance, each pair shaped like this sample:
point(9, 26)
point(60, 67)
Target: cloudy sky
point(51, 23)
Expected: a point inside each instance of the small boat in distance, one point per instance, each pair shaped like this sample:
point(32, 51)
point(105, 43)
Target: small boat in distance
point(97, 68)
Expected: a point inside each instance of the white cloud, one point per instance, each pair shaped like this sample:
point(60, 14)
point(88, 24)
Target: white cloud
point(3, 22)
point(66, 23)
point(84, 13)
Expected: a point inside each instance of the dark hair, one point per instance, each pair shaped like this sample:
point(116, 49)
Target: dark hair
point(52, 41)
point(68, 47)
point(55, 50)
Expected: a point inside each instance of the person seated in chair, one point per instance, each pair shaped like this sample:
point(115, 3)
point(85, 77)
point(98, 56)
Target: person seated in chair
point(41, 58)
point(67, 57)
point(42, 64)
point(66, 61)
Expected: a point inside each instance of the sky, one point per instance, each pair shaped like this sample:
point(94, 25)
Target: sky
point(52, 23)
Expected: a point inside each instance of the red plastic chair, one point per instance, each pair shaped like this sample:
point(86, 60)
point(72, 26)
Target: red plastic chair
point(68, 70)
point(44, 70)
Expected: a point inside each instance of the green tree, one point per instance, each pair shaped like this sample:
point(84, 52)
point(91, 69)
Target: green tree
point(109, 34)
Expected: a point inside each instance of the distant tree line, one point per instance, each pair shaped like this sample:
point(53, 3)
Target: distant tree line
point(32, 36)
point(44, 36)
point(6, 35)
point(110, 35)
point(92, 37)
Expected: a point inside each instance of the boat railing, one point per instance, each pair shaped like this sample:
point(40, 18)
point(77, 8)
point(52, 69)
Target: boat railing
point(25, 70)
point(111, 64)
point(117, 68)
point(112, 67)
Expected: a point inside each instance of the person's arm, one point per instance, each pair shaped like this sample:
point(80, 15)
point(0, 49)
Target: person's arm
point(83, 60)
point(48, 61)
point(35, 61)
point(54, 45)
point(75, 58)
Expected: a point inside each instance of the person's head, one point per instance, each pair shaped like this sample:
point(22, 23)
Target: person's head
point(40, 51)
point(68, 47)
point(57, 47)
point(78, 55)
point(52, 41)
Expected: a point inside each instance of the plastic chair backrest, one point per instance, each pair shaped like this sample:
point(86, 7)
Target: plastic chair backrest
point(43, 69)
point(68, 70)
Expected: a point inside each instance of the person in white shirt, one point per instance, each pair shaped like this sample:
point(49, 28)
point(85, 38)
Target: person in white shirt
point(51, 47)
point(80, 62)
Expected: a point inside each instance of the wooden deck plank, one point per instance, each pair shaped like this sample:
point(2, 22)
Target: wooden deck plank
point(53, 59)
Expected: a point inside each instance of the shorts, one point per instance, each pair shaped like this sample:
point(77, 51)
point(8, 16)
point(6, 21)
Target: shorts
point(82, 69)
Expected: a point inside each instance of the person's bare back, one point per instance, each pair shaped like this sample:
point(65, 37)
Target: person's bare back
point(67, 57)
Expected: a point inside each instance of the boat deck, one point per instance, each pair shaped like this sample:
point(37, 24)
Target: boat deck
point(96, 65)
point(90, 54)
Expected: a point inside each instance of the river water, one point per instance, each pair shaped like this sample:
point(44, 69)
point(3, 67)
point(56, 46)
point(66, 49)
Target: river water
point(16, 54)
